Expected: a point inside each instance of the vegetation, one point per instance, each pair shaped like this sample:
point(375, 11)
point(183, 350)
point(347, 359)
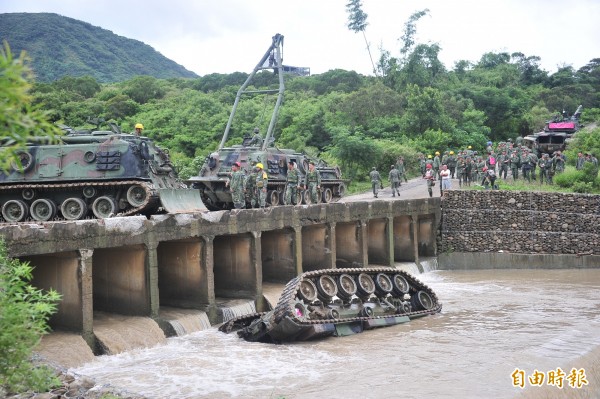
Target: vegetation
point(24, 312)
point(62, 46)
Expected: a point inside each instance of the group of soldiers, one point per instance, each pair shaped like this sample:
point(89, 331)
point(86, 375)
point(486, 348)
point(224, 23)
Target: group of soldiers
point(249, 188)
point(395, 177)
point(468, 166)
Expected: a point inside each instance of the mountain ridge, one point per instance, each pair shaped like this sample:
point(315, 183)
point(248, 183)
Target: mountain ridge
point(61, 46)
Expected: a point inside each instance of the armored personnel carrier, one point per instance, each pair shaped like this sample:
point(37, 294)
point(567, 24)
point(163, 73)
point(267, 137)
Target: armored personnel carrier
point(212, 177)
point(92, 174)
point(556, 134)
point(338, 302)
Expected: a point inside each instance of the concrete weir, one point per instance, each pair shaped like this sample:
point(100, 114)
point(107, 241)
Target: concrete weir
point(134, 266)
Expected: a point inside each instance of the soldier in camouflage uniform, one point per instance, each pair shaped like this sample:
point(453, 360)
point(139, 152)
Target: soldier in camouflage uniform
point(312, 182)
point(401, 170)
point(376, 183)
point(236, 185)
point(558, 162)
point(451, 162)
point(515, 164)
point(545, 165)
point(436, 164)
point(292, 184)
point(250, 184)
point(261, 180)
point(394, 178)
point(503, 162)
point(422, 164)
point(460, 170)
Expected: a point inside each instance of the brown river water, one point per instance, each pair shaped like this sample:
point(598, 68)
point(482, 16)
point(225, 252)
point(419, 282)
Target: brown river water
point(492, 322)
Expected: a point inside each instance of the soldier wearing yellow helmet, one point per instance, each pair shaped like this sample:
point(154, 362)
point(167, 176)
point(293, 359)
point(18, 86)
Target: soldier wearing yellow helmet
point(138, 129)
point(436, 164)
point(261, 179)
point(451, 161)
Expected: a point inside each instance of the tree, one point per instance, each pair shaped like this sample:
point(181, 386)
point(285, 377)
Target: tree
point(357, 22)
point(19, 120)
point(410, 31)
point(24, 313)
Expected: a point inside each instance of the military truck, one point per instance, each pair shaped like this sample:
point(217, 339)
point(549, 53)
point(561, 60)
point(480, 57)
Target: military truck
point(212, 177)
point(92, 173)
point(556, 134)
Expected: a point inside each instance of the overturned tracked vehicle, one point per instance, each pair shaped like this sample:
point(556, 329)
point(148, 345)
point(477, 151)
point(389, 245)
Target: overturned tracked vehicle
point(556, 134)
point(92, 174)
point(212, 177)
point(338, 302)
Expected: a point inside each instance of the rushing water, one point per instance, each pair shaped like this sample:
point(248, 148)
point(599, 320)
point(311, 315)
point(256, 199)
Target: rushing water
point(492, 322)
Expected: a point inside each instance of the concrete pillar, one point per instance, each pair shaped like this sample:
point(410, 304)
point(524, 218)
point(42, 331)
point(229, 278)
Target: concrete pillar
point(298, 249)
point(364, 243)
point(389, 235)
point(84, 271)
point(208, 263)
point(415, 236)
point(256, 255)
point(331, 242)
point(152, 275)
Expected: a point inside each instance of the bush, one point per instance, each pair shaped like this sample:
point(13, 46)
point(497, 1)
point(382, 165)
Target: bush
point(24, 313)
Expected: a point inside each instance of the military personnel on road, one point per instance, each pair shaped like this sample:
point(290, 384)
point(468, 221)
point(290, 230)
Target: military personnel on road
point(261, 184)
point(503, 164)
point(401, 170)
point(545, 165)
point(292, 184)
point(376, 182)
point(250, 184)
point(236, 185)
point(430, 178)
point(394, 178)
point(515, 164)
point(451, 162)
point(422, 164)
point(436, 164)
point(312, 182)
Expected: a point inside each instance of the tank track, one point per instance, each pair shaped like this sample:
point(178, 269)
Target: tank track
point(303, 310)
point(152, 199)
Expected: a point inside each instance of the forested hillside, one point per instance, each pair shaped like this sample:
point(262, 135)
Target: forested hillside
point(61, 46)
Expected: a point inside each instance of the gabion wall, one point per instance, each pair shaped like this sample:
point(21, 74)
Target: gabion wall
point(520, 222)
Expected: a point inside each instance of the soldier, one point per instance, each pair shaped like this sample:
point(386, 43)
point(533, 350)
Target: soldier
point(236, 185)
point(376, 182)
point(138, 129)
point(430, 178)
point(468, 171)
point(394, 178)
point(515, 164)
point(534, 161)
point(312, 182)
point(436, 164)
point(503, 164)
point(526, 161)
point(544, 163)
point(422, 164)
point(580, 161)
point(558, 162)
point(460, 170)
point(261, 185)
point(401, 170)
point(451, 162)
point(256, 139)
point(250, 185)
point(292, 184)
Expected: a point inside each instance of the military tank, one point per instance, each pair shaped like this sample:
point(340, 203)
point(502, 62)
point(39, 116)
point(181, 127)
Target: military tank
point(556, 134)
point(338, 302)
point(92, 174)
point(212, 177)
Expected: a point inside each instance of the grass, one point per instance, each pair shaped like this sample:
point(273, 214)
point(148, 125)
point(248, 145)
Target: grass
point(524, 185)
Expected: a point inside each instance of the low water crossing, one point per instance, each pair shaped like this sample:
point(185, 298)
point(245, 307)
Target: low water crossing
point(492, 322)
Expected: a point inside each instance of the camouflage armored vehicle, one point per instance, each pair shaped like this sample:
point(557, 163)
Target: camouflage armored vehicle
point(338, 302)
point(92, 173)
point(212, 177)
point(556, 134)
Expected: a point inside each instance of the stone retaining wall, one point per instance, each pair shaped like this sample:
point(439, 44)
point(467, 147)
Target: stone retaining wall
point(520, 222)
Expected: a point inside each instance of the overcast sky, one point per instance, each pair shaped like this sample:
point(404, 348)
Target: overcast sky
point(226, 36)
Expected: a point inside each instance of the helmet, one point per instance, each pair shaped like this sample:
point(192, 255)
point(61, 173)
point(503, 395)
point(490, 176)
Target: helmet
point(437, 153)
point(139, 126)
point(237, 164)
point(428, 166)
point(429, 156)
point(255, 130)
point(451, 152)
point(259, 165)
point(469, 147)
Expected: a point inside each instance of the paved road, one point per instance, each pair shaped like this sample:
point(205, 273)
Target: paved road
point(415, 188)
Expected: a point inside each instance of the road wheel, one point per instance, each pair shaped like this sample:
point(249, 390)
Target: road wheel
point(327, 195)
point(383, 284)
point(308, 291)
point(326, 287)
point(42, 209)
point(14, 211)
point(401, 286)
point(346, 286)
point(273, 197)
point(73, 208)
point(422, 301)
point(104, 207)
point(365, 286)
point(136, 195)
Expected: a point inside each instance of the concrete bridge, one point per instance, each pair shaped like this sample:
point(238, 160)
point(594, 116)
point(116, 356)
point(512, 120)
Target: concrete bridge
point(135, 265)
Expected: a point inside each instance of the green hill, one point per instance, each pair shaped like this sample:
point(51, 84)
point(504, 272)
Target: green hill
point(61, 46)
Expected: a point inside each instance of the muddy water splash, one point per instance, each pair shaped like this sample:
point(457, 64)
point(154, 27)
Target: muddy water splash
point(185, 321)
point(232, 308)
point(493, 321)
point(118, 333)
